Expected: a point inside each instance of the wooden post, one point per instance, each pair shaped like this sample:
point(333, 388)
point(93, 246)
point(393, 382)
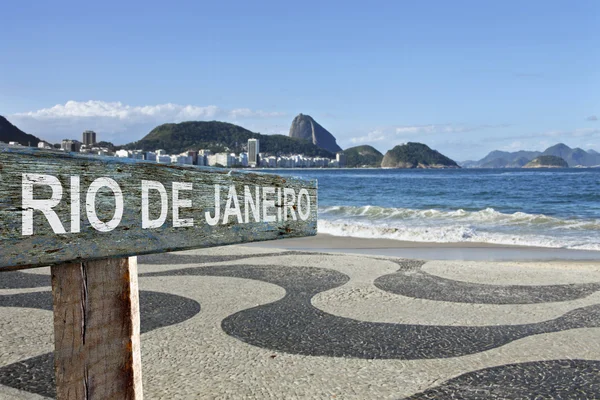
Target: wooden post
point(97, 330)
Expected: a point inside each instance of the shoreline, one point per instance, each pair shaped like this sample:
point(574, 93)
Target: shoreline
point(471, 251)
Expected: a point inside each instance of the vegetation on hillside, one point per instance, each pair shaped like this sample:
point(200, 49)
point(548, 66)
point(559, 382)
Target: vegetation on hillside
point(547, 162)
point(106, 145)
point(416, 155)
point(219, 137)
point(363, 156)
point(10, 133)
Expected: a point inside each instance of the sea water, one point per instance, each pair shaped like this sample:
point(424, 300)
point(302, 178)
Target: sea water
point(543, 207)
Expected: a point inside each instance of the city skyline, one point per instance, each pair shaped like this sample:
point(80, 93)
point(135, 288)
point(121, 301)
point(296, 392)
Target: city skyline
point(464, 78)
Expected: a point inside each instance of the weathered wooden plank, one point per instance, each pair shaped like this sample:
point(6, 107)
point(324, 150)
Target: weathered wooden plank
point(97, 330)
point(58, 207)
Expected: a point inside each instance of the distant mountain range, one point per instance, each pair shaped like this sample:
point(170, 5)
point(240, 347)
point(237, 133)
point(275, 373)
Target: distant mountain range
point(220, 137)
point(502, 159)
point(311, 139)
point(10, 133)
point(574, 157)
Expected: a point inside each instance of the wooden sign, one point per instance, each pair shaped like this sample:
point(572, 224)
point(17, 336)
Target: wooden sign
point(58, 207)
point(86, 215)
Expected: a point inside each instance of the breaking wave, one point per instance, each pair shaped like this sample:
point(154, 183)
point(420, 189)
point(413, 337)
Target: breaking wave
point(484, 226)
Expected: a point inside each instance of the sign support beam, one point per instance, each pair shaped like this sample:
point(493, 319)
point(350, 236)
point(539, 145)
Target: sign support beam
point(97, 330)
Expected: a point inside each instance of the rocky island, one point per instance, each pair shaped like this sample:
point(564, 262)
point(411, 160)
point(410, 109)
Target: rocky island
point(547, 162)
point(416, 155)
point(363, 157)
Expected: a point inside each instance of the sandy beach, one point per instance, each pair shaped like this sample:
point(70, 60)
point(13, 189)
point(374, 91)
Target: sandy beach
point(258, 321)
point(429, 251)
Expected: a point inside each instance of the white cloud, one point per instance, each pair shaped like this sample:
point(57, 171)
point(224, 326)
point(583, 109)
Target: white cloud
point(514, 146)
point(585, 132)
point(373, 136)
point(443, 128)
point(118, 122)
point(592, 118)
point(248, 113)
point(120, 111)
point(579, 132)
point(413, 132)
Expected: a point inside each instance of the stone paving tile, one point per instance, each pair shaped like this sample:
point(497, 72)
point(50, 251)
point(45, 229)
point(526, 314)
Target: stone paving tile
point(556, 379)
point(222, 323)
point(422, 285)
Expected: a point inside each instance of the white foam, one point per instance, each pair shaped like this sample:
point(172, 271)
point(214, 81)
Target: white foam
point(375, 213)
point(484, 226)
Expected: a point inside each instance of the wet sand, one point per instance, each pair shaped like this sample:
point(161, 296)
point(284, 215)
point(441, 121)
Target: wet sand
point(429, 251)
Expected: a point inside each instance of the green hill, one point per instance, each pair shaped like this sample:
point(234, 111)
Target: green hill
point(220, 136)
point(363, 156)
point(416, 155)
point(547, 162)
point(10, 133)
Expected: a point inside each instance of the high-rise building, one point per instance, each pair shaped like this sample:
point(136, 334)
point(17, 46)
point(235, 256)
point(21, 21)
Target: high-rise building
point(253, 150)
point(193, 154)
point(70, 145)
point(341, 159)
point(89, 138)
point(202, 156)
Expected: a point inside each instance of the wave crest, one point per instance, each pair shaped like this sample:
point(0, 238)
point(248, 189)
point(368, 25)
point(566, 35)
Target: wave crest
point(485, 226)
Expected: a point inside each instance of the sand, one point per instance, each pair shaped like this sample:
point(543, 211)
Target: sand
point(428, 250)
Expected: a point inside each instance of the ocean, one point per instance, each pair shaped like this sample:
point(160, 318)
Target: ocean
point(557, 208)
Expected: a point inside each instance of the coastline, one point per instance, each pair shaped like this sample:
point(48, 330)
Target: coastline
point(429, 250)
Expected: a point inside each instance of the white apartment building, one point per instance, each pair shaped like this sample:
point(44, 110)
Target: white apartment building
point(268, 162)
point(243, 159)
point(224, 159)
point(44, 145)
point(182, 160)
point(123, 153)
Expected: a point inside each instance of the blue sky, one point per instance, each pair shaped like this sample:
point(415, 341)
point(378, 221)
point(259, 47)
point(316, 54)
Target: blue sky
point(465, 77)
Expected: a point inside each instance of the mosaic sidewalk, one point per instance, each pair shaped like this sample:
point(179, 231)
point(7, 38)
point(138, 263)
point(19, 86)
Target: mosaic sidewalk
point(241, 322)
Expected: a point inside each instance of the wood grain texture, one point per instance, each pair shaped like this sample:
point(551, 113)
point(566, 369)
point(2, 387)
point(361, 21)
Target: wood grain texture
point(45, 247)
point(97, 330)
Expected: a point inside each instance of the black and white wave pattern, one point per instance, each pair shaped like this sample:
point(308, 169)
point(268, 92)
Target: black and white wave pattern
point(293, 325)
